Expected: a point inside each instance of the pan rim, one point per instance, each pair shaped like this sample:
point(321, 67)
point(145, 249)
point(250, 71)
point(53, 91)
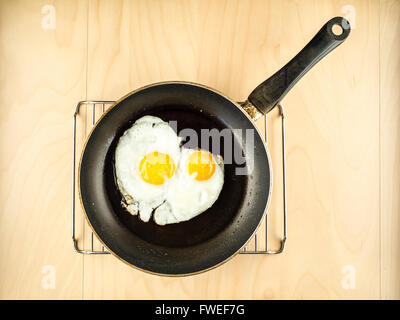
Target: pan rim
point(238, 107)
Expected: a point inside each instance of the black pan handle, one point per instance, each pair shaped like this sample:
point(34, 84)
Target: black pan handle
point(269, 93)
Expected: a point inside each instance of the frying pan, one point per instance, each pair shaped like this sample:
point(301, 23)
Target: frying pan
point(214, 236)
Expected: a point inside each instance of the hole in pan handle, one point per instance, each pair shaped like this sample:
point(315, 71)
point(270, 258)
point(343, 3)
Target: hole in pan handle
point(269, 93)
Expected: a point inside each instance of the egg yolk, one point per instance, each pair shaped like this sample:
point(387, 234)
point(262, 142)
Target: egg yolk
point(155, 167)
point(201, 162)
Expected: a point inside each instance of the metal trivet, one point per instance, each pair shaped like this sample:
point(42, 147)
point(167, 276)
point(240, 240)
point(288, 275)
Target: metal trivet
point(244, 250)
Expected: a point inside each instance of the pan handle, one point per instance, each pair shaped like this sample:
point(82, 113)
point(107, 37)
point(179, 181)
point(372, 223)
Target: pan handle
point(269, 93)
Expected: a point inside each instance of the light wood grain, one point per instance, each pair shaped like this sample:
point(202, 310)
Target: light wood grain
point(342, 140)
point(390, 147)
point(42, 77)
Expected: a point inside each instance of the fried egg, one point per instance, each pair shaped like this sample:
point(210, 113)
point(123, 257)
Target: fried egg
point(146, 158)
point(156, 175)
point(198, 183)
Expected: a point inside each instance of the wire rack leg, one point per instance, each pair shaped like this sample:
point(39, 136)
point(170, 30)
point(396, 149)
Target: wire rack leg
point(284, 238)
point(76, 113)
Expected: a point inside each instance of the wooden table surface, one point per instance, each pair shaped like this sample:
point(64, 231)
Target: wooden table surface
point(343, 140)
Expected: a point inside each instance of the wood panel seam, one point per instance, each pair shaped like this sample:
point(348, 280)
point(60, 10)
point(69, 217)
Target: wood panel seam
point(86, 97)
point(380, 155)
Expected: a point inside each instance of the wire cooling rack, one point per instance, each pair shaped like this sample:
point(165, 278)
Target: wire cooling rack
point(87, 243)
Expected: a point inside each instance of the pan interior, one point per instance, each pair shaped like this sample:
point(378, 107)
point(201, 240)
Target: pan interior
point(210, 222)
point(187, 247)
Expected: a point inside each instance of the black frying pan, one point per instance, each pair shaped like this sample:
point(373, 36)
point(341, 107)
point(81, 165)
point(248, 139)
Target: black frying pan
point(214, 236)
